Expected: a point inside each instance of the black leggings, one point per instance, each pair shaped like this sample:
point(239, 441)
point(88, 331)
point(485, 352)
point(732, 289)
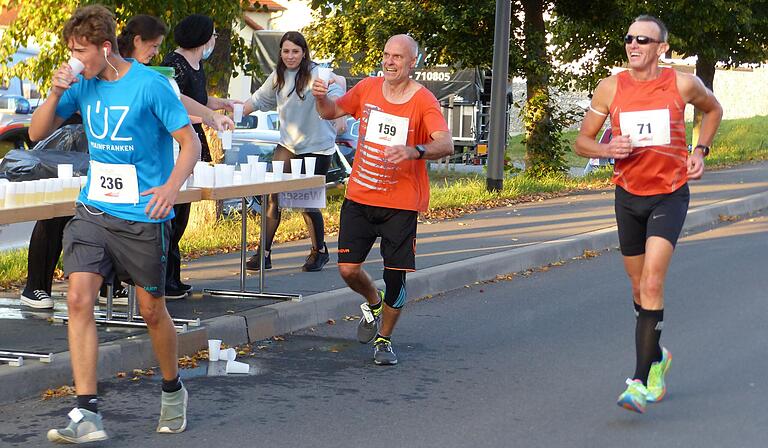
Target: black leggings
point(313, 217)
point(44, 251)
point(173, 265)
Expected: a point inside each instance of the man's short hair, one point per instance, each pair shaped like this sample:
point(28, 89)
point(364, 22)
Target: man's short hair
point(410, 41)
point(94, 23)
point(663, 32)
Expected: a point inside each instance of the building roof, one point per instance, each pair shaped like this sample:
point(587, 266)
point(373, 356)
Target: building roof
point(270, 5)
point(8, 16)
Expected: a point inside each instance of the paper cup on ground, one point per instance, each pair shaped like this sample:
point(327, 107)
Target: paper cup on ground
point(214, 349)
point(277, 169)
point(237, 367)
point(76, 65)
point(64, 170)
point(259, 171)
point(226, 139)
point(227, 354)
point(237, 114)
point(296, 167)
point(324, 73)
point(309, 165)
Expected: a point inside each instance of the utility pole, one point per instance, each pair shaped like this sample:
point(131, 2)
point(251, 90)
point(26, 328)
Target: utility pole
point(497, 138)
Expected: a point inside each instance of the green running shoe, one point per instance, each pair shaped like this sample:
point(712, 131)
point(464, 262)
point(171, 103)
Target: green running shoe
point(633, 398)
point(369, 323)
point(173, 412)
point(383, 354)
point(657, 388)
point(84, 426)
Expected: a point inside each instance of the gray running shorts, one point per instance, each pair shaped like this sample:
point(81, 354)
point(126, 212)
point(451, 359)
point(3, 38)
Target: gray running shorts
point(100, 243)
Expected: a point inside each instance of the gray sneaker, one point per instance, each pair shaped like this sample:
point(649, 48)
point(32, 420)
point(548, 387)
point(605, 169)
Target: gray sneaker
point(369, 323)
point(173, 412)
point(383, 354)
point(84, 427)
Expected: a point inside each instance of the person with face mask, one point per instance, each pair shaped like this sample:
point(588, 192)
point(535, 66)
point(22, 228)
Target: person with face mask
point(196, 37)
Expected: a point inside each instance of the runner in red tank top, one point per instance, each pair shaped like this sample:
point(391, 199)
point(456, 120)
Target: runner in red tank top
point(646, 104)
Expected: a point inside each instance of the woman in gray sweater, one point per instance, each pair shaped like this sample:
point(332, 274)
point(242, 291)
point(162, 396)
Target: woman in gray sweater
point(302, 134)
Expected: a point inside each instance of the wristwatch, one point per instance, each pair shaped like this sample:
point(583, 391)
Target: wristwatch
point(421, 149)
point(704, 150)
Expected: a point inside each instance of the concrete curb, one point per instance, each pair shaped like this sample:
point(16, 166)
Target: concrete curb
point(260, 323)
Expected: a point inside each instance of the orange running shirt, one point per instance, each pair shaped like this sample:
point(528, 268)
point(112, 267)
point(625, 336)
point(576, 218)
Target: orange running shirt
point(651, 113)
point(374, 181)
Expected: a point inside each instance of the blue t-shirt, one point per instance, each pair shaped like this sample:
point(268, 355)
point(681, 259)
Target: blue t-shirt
point(128, 121)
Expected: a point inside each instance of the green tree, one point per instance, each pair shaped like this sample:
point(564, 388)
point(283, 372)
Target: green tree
point(42, 21)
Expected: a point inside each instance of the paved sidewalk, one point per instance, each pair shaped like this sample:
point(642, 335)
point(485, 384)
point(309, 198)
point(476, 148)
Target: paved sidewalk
point(451, 253)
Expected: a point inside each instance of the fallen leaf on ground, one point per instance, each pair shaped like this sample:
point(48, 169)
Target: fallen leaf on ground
point(63, 391)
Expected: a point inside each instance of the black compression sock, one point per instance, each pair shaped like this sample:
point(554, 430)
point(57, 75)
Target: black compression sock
point(637, 308)
point(89, 402)
point(647, 335)
point(376, 307)
point(172, 385)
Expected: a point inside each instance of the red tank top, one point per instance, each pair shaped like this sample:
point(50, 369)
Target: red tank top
point(651, 113)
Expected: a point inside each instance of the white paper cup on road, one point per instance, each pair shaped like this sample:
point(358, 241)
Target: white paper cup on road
point(277, 169)
point(237, 367)
point(296, 167)
point(214, 349)
point(64, 170)
point(226, 139)
point(76, 65)
point(309, 165)
point(259, 171)
point(227, 354)
point(237, 113)
point(324, 73)
point(252, 160)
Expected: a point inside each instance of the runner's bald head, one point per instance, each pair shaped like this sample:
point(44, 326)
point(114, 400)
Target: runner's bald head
point(408, 41)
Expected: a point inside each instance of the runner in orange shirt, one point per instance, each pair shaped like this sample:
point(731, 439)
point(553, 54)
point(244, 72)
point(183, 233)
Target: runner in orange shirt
point(646, 104)
point(401, 125)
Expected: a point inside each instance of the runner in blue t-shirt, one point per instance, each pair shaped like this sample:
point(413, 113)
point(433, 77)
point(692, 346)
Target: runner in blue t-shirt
point(130, 115)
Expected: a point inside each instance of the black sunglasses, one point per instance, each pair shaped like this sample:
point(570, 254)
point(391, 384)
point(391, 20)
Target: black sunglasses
point(641, 40)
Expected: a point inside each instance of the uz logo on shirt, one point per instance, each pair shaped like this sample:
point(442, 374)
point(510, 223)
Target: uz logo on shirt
point(113, 137)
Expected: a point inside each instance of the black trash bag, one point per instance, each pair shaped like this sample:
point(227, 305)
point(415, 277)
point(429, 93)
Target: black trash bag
point(20, 165)
point(67, 145)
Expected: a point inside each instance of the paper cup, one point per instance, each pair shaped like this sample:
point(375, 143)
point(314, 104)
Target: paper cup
point(296, 167)
point(64, 170)
point(2, 195)
point(324, 73)
point(226, 139)
point(227, 354)
point(40, 191)
point(277, 169)
point(309, 165)
point(11, 196)
point(252, 160)
point(259, 171)
point(214, 348)
point(246, 173)
point(237, 367)
point(237, 114)
point(223, 175)
point(76, 66)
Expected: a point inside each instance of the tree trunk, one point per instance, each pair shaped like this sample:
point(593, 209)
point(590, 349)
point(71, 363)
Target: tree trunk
point(705, 70)
point(537, 115)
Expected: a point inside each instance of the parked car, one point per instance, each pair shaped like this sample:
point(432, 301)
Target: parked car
point(262, 143)
point(347, 141)
point(262, 120)
point(14, 104)
point(14, 132)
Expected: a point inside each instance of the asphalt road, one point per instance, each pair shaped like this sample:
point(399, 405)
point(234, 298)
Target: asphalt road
point(535, 361)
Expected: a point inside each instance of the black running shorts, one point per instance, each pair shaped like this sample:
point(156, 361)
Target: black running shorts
point(361, 224)
point(100, 243)
point(640, 217)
